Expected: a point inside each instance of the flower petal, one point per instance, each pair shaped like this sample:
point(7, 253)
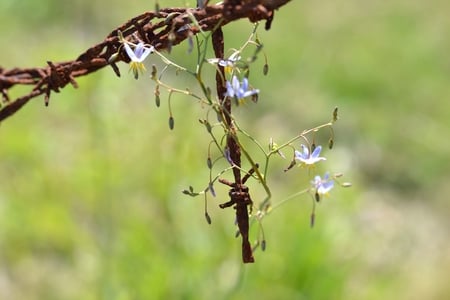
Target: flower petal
point(316, 152)
point(130, 52)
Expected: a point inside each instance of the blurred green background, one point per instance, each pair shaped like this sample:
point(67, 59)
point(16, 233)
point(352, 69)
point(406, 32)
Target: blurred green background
point(90, 201)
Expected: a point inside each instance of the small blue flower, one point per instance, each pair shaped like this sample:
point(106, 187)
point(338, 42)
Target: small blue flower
point(309, 159)
point(137, 57)
point(238, 90)
point(323, 185)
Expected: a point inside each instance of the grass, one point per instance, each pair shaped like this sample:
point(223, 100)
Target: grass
point(90, 201)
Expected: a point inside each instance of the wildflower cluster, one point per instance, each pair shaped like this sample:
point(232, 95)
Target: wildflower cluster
point(233, 87)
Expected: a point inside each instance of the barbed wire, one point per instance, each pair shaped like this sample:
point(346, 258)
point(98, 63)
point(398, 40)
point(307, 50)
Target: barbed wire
point(162, 28)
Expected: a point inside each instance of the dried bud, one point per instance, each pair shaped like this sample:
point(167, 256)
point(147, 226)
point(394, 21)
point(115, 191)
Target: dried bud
point(171, 123)
point(211, 189)
point(208, 126)
point(292, 164)
point(154, 72)
point(317, 197)
point(157, 98)
point(265, 69)
point(263, 245)
point(208, 218)
point(313, 219)
point(335, 114)
point(330, 143)
point(209, 163)
point(186, 192)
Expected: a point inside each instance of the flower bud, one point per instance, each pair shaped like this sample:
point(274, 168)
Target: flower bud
point(265, 69)
point(312, 220)
point(209, 163)
point(208, 218)
point(335, 114)
point(171, 123)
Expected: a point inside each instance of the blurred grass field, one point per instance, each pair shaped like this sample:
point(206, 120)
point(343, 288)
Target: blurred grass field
point(90, 187)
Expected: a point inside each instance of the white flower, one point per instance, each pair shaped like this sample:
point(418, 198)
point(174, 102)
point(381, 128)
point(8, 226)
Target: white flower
point(309, 159)
point(137, 57)
point(323, 186)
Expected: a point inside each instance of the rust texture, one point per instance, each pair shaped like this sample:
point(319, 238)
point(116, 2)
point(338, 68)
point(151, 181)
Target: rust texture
point(161, 29)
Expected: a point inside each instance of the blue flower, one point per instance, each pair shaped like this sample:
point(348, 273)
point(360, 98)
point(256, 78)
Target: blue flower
point(323, 185)
point(137, 57)
point(309, 159)
point(238, 90)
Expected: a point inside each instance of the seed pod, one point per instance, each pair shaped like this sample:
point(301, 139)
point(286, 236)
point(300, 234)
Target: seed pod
point(330, 143)
point(317, 197)
point(263, 245)
point(313, 219)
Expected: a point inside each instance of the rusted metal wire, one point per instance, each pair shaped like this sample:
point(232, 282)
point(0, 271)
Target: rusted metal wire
point(162, 29)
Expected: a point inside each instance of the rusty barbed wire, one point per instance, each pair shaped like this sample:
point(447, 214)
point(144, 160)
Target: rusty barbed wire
point(162, 29)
